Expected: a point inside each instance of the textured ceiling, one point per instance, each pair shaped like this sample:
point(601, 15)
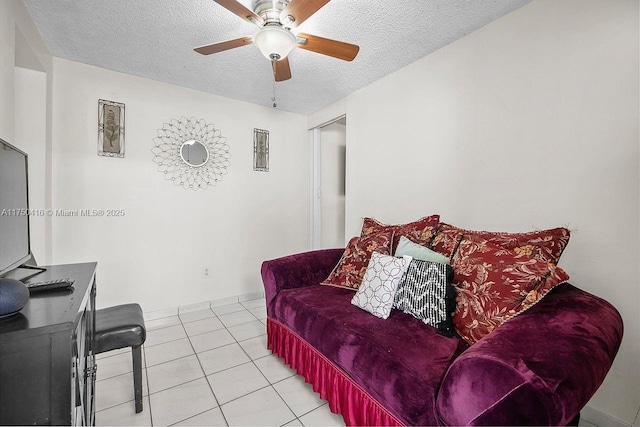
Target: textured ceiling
point(155, 39)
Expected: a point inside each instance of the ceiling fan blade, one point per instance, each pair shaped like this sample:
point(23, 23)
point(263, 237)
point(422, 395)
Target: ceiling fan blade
point(340, 50)
point(219, 47)
point(300, 10)
point(281, 69)
point(241, 11)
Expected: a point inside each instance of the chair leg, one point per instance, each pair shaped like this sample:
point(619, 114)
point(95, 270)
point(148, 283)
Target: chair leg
point(136, 353)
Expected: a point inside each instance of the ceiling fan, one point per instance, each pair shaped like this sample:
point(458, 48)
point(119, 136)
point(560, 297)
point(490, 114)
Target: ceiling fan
point(275, 39)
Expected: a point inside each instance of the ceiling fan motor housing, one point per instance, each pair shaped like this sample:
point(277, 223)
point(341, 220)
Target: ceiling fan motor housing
point(269, 10)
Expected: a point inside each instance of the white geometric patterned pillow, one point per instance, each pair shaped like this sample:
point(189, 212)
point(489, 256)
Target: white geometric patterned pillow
point(426, 293)
point(378, 288)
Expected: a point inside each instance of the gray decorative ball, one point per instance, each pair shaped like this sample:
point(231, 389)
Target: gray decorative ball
point(13, 296)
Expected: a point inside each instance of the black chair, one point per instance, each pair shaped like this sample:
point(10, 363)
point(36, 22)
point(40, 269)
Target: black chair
point(123, 326)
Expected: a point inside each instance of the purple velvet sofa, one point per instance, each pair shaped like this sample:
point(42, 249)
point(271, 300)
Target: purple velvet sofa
point(539, 368)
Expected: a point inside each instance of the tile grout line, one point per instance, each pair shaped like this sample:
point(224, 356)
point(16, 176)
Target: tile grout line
point(195, 335)
point(186, 382)
point(250, 361)
point(202, 367)
point(261, 373)
point(204, 351)
point(269, 384)
point(326, 403)
point(148, 389)
point(196, 379)
point(182, 324)
point(220, 406)
point(198, 414)
point(236, 341)
point(244, 309)
point(298, 417)
point(295, 417)
point(282, 380)
point(116, 376)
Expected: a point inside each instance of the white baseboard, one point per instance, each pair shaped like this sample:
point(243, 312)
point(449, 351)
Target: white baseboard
point(174, 311)
point(224, 301)
point(194, 307)
point(599, 418)
point(249, 297)
point(159, 314)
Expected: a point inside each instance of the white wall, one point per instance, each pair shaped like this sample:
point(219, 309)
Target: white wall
point(155, 254)
point(14, 17)
point(30, 135)
point(7, 50)
point(25, 110)
point(529, 122)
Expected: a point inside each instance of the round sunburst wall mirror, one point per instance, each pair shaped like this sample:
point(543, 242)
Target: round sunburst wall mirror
point(191, 153)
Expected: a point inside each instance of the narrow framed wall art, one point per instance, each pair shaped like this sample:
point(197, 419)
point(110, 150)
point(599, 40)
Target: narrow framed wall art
point(261, 150)
point(110, 128)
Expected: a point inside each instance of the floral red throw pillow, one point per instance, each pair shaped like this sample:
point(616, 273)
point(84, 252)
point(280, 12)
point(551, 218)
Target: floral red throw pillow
point(420, 231)
point(349, 271)
point(546, 245)
point(494, 284)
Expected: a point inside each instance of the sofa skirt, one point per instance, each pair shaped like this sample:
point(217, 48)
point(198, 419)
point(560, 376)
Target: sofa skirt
point(345, 397)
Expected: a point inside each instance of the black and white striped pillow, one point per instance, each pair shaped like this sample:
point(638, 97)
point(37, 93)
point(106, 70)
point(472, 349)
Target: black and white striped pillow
point(425, 292)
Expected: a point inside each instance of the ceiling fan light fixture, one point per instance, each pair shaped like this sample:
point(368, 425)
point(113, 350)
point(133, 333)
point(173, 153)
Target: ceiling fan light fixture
point(274, 42)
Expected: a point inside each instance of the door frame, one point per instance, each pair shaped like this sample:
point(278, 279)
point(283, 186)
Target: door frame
point(315, 206)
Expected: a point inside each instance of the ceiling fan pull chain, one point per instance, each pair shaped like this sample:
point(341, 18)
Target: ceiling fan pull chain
point(273, 98)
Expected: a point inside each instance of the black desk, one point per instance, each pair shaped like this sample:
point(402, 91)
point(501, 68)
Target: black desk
point(47, 363)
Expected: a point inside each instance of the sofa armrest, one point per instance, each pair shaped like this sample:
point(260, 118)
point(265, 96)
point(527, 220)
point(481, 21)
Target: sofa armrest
point(539, 368)
point(295, 271)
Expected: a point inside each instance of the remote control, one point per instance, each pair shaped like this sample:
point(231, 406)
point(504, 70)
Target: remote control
point(49, 285)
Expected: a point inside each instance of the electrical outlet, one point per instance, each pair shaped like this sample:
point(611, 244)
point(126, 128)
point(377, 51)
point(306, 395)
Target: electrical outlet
point(205, 273)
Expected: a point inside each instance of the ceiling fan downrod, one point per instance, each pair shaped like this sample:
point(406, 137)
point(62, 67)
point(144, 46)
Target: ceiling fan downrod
point(270, 10)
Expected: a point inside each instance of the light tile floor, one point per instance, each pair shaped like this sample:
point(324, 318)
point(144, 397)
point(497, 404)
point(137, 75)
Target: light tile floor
point(208, 368)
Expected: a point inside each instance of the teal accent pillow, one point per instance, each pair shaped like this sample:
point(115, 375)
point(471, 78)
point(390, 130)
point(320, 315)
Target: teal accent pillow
point(407, 247)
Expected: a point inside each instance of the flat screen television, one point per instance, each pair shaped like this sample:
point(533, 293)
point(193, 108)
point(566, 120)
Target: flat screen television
point(15, 248)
